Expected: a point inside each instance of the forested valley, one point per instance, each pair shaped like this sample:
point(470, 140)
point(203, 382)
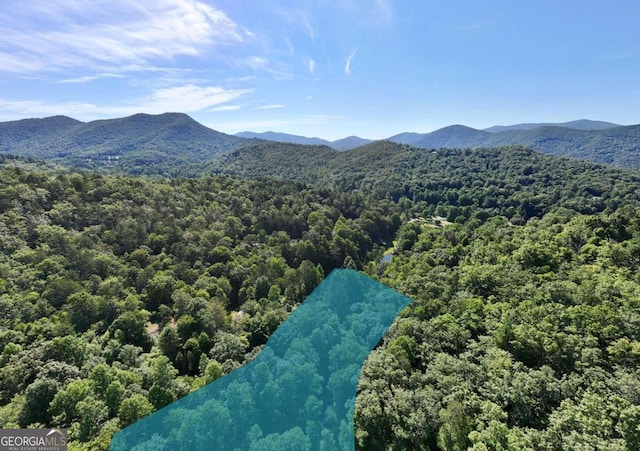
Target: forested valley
point(121, 294)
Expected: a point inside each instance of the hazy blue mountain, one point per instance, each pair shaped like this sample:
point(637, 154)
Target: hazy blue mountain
point(618, 146)
point(451, 136)
point(581, 124)
point(350, 142)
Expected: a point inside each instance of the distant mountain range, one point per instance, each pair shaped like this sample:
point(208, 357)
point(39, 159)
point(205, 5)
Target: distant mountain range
point(457, 132)
point(581, 124)
point(599, 141)
point(619, 146)
point(174, 143)
point(350, 142)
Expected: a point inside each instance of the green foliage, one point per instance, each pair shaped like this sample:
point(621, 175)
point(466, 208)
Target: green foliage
point(134, 408)
point(120, 294)
point(514, 181)
point(521, 342)
point(455, 429)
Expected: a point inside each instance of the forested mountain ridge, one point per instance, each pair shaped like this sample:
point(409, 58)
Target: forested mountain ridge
point(619, 146)
point(134, 144)
point(33, 130)
point(512, 181)
point(453, 136)
point(173, 144)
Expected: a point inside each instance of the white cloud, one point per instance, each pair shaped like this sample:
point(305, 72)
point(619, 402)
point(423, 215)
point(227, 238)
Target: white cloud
point(254, 62)
point(185, 99)
point(269, 107)
point(89, 78)
point(347, 66)
point(189, 98)
point(43, 35)
point(226, 108)
point(263, 64)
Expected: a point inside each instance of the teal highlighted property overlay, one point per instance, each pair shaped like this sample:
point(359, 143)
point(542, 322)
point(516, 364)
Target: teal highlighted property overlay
point(298, 394)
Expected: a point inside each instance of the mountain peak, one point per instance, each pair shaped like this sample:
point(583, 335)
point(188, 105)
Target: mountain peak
point(139, 140)
point(457, 127)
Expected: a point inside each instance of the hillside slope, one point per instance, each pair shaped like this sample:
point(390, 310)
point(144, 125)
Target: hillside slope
point(137, 144)
point(452, 177)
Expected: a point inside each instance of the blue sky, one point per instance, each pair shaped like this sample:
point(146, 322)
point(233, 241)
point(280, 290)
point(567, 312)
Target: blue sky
point(327, 68)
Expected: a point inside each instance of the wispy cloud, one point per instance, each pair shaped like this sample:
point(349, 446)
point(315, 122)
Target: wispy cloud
point(190, 98)
point(289, 45)
point(89, 78)
point(300, 18)
point(310, 30)
point(226, 108)
point(311, 65)
point(185, 99)
point(263, 64)
point(269, 107)
point(253, 62)
point(347, 66)
point(42, 35)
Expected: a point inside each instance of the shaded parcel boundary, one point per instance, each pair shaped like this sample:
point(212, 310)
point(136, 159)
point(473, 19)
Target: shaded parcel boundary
point(298, 393)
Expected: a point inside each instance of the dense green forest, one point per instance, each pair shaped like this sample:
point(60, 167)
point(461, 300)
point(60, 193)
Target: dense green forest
point(512, 181)
point(519, 337)
point(120, 294)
